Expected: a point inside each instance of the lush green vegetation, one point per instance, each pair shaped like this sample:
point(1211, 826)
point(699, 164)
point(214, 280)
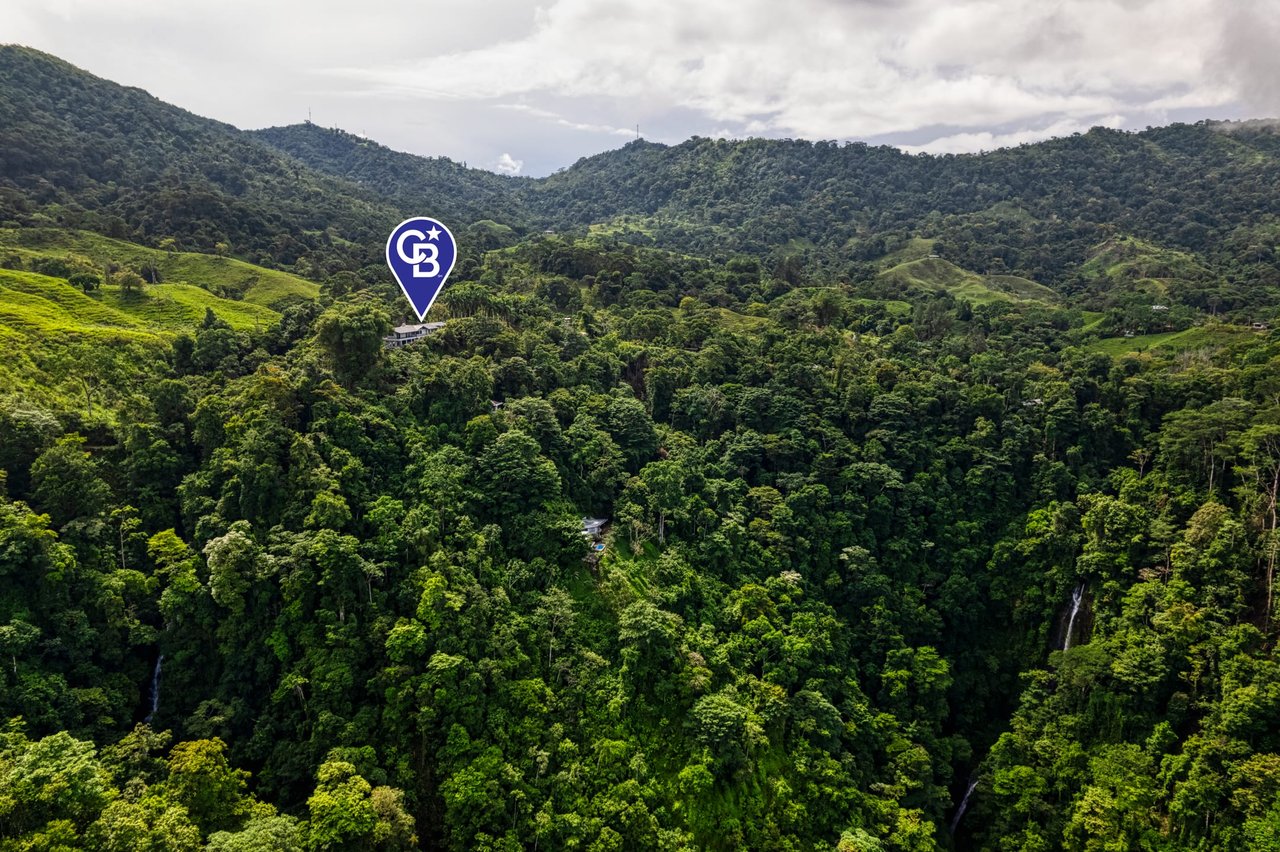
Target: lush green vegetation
point(1181, 211)
point(885, 527)
point(934, 273)
point(67, 251)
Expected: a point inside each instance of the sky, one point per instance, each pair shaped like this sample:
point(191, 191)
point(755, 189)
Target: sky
point(529, 87)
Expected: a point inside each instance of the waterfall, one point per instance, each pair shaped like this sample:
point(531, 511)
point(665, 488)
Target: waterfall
point(964, 804)
point(1076, 597)
point(155, 689)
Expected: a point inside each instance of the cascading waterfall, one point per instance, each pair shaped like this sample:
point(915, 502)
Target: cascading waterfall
point(155, 689)
point(1076, 597)
point(964, 804)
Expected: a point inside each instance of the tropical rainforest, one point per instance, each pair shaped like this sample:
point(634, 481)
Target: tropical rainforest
point(942, 492)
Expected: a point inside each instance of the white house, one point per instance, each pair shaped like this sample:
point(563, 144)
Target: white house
point(403, 335)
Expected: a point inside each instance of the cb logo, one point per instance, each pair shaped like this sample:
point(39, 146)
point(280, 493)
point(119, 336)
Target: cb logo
point(421, 252)
point(425, 257)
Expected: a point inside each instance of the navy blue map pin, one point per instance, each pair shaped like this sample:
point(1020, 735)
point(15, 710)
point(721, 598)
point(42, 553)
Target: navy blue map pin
point(421, 252)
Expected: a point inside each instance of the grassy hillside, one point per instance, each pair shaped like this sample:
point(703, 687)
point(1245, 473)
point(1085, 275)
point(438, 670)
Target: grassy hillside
point(1127, 263)
point(916, 248)
point(1201, 337)
point(222, 276)
point(85, 353)
point(934, 273)
point(66, 351)
point(42, 305)
point(1021, 288)
point(180, 307)
point(158, 308)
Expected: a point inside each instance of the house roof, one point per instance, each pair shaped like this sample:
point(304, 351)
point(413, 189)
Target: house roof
point(422, 326)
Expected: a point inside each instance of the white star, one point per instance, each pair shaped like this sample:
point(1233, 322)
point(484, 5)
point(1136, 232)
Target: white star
point(434, 232)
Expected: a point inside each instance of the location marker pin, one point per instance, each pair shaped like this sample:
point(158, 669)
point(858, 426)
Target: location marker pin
point(421, 253)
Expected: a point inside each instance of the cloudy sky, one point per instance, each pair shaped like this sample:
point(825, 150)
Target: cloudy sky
point(529, 87)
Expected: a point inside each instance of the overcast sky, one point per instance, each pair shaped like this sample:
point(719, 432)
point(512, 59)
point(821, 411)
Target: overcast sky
point(530, 87)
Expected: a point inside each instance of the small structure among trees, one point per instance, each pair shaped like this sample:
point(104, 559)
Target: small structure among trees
point(403, 335)
point(594, 528)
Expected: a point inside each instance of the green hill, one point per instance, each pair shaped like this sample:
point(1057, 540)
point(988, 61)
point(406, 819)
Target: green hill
point(1200, 337)
point(222, 276)
point(934, 273)
point(1128, 264)
point(66, 348)
point(84, 152)
point(1041, 210)
point(414, 183)
point(40, 304)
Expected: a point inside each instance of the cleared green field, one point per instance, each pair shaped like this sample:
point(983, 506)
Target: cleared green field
point(1128, 263)
point(66, 352)
point(70, 351)
point(621, 225)
point(893, 307)
point(220, 275)
point(1023, 288)
point(743, 323)
point(917, 248)
point(935, 273)
point(179, 306)
point(39, 303)
point(1171, 341)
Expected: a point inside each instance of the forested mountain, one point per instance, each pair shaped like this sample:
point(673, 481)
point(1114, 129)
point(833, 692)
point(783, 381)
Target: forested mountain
point(908, 548)
point(87, 153)
point(1036, 211)
point(411, 182)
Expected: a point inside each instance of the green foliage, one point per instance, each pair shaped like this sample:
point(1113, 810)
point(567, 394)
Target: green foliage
point(201, 780)
point(886, 530)
point(277, 833)
point(65, 482)
point(843, 550)
point(346, 812)
point(351, 335)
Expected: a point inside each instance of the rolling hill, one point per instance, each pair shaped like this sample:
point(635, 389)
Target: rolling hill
point(1182, 206)
point(223, 276)
point(411, 182)
point(1037, 212)
point(85, 152)
point(67, 347)
point(935, 273)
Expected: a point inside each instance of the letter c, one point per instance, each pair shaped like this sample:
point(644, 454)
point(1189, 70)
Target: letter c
point(418, 256)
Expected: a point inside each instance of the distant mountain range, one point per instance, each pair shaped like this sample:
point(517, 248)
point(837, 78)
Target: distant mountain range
point(81, 151)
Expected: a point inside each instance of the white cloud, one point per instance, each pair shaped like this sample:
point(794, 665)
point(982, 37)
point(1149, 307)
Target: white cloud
point(985, 140)
point(584, 126)
point(848, 68)
point(508, 165)
point(563, 78)
point(1249, 57)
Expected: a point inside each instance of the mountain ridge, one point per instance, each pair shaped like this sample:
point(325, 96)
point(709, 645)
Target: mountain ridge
point(86, 153)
